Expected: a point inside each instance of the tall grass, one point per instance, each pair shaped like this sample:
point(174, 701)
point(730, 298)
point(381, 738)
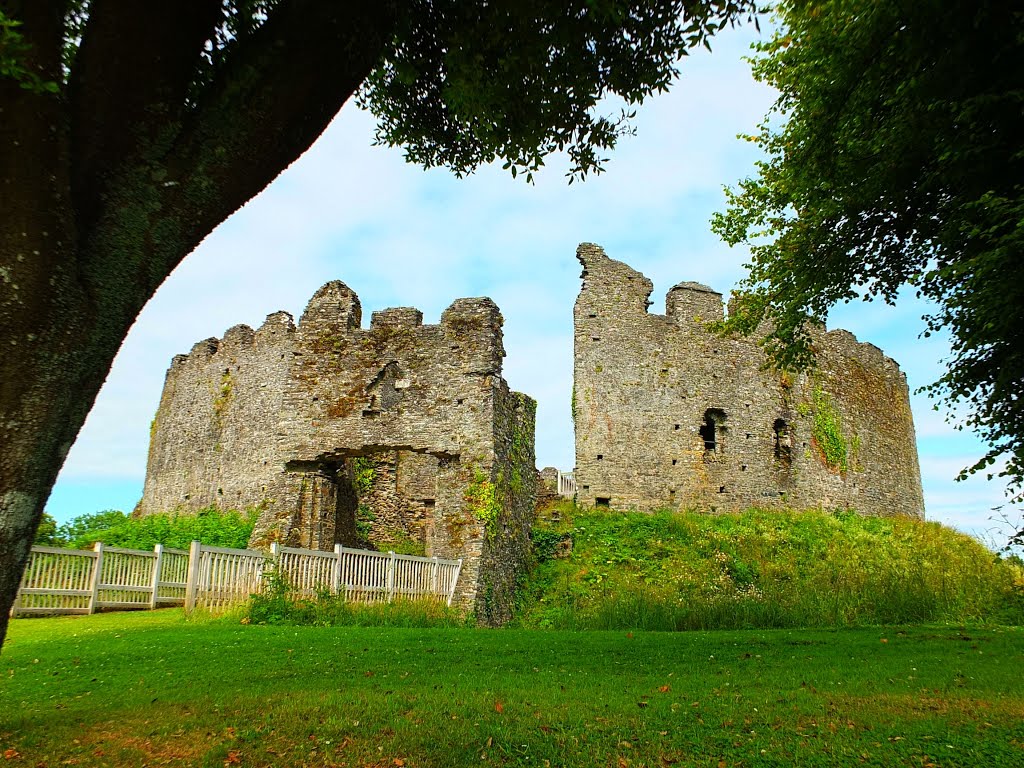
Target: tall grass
point(760, 568)
point(278, 604)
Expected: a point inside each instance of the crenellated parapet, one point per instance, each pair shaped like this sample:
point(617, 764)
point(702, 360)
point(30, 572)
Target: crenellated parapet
point(384, 436)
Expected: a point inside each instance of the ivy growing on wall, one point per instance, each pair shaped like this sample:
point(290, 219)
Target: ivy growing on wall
point(827, 432)
point(482, 502)
point(363, 475)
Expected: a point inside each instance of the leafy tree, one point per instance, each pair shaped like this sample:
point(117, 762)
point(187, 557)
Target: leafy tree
point(894, 157)
point(130, 130)
point(85, 530)
point(214, 527)
point(46, 533)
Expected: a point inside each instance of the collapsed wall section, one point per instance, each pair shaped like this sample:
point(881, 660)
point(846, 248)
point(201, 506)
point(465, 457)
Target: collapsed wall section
point(671, 415)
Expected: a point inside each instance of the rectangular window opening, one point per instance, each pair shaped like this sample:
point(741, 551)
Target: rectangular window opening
point(601, 501)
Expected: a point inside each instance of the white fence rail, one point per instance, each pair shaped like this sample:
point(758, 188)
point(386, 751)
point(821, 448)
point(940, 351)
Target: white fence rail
point(566, 484)
point(70, 581)
point(220, 577)
point(67, 581)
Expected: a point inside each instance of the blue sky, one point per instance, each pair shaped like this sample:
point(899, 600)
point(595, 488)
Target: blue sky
point(402, 236)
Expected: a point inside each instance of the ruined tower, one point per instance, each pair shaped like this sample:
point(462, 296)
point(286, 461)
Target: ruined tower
point(410, 426)
point(670, 415)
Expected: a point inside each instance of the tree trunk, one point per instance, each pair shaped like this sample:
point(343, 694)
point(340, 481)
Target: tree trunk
point(108, 183)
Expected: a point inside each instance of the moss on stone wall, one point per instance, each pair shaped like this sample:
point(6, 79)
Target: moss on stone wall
point(222, 398)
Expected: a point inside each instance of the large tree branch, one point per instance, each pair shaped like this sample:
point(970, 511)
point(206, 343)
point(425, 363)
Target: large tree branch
point(129, 80)
point(275, 96)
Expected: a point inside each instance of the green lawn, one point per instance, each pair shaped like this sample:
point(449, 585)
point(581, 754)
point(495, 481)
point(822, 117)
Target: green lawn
point(153, 689)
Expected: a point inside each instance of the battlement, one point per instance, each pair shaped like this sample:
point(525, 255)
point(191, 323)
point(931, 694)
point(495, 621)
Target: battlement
point(309, 423)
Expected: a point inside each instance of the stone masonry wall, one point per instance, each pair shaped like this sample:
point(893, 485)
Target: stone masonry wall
point(306, 423)
point(214, 437)
point(671, 415)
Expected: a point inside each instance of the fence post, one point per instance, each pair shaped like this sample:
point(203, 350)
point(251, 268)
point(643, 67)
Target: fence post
point(391, 576)
point(158, 558)
point(434, 567)
point(192, 583)
point(455, 581)
point(336, 571)
point(94, 583)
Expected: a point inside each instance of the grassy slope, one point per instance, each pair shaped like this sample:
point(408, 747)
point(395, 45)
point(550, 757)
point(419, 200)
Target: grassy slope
point(762, 569)
point(150, 688)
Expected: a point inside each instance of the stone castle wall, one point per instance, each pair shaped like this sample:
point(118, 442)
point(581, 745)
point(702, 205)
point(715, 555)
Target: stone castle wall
point(307, 423)
point(671, 415)
point(214, 437)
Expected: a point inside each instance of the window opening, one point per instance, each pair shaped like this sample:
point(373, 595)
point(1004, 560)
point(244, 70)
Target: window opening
point(783, 441)
point(601, 501)
point(713, 430)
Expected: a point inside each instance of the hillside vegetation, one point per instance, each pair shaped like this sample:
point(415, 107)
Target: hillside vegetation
point(759, 569)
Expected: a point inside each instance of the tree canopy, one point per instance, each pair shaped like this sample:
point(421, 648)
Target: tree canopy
point(894, 158)
point(130, 130)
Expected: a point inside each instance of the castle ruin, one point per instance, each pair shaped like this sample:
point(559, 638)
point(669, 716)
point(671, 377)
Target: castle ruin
point(671, 415)
point(399, 434)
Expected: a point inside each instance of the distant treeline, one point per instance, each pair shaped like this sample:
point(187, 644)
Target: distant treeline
point(212, 526)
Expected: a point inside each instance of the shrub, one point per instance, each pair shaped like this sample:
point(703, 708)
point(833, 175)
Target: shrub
point(217, 528)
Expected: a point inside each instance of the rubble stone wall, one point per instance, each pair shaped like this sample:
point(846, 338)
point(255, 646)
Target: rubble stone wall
point(671, 415)
point(308, 422)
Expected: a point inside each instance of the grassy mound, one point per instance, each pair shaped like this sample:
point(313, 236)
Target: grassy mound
point(760, 569)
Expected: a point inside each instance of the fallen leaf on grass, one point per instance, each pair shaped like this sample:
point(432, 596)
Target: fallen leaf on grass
point(233, 758)
point(665, 688)
point(499, 707)
point(11, 754)
point(398, 761)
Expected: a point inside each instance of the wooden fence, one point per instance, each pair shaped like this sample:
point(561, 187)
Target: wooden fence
point(72, 581)
point(63, 581)
point(220, 577)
